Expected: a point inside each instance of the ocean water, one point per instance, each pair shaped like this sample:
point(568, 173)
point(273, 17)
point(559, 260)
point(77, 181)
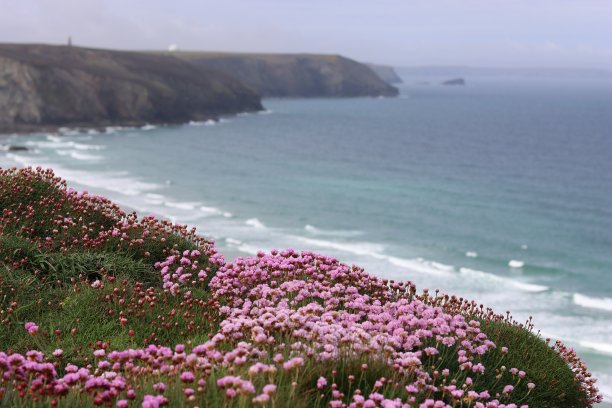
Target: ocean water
point(499, 191)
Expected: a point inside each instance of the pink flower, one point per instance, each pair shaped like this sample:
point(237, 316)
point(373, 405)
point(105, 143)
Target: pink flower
point(187, 377)
point(269, 389)
point(293, 363)
point(261, 399)
point(31, 327)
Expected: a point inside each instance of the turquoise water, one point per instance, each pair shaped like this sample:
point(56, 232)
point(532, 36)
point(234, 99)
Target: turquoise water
point(500, 191)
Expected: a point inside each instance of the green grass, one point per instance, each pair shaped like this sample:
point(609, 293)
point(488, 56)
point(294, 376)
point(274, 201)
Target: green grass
point(556, 384)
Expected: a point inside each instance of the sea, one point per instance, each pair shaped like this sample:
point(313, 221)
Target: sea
point(498, 191)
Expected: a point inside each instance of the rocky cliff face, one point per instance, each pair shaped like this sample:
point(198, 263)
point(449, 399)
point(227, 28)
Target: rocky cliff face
point(45, 86)
point(296, 75)
point(386, 73)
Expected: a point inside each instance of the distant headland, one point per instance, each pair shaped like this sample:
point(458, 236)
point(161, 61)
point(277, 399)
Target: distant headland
point(294, 75)
point(46, 87)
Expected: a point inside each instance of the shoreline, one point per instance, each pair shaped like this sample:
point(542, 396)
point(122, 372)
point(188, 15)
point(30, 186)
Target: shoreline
point(102, 126)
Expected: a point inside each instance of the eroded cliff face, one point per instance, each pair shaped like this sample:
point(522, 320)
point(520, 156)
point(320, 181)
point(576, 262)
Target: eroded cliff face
point(45, 86)
point(296, 75)
point(386, 73)
point(19, 101)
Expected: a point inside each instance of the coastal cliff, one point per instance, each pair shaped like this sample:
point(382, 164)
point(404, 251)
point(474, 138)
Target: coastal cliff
point(45, 87)
point(295, 75)
point(386, 73)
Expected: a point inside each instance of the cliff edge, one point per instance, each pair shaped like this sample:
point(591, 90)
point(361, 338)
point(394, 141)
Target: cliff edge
point(386, 73)
point(44, 87)
point(295, 75)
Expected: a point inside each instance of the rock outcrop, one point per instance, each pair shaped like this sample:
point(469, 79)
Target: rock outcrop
point(295, 75)
point(386, 73)
point(454, 81)
point(43, 87)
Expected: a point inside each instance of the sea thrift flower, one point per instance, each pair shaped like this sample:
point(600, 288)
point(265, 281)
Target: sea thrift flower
point(293, 363)
point(31, 327)
point(187, 377)
point(269, 389)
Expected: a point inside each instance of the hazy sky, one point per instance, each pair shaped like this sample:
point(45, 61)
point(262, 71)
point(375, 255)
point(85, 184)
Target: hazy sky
point(566, 33)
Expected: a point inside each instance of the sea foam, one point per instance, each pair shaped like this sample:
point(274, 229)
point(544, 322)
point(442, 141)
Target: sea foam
point(601, 303)
point(526, 287)
point(255, 223)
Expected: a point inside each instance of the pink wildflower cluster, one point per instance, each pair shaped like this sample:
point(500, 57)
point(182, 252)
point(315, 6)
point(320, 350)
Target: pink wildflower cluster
point(186, 269)
point(298, 307)
point(285, 319)
point(57, 218)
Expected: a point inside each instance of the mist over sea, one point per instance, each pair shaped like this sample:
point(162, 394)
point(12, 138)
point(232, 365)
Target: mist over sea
point(499, 191)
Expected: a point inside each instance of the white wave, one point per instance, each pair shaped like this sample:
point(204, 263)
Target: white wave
point(63, 144)
point(54, 138)
point(524, 246)
point(115, 129)
point(232, 241)
point(255, 223)
point(265, 112)
point(358, 248)
point(82, 146)
point(338, 233)
point(601, 303)
point(227, 214)
point(23, 160)
point(249, 249)
point(208, 122)
point(153, 198)
point(516, 264)
point(418, 265)
point(210, 210)
point(51, 145)
point(188, 206)
point(604, 348)
point(75, 154)
point(442, 267)
point(148, 127)
point(527, 287)
point(471, 254)
point(118, 182)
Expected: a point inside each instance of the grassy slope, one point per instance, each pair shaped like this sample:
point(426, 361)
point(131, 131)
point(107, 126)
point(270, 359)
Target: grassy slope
point(54, 287)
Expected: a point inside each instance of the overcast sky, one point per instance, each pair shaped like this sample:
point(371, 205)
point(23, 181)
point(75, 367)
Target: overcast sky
point(560, 33)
